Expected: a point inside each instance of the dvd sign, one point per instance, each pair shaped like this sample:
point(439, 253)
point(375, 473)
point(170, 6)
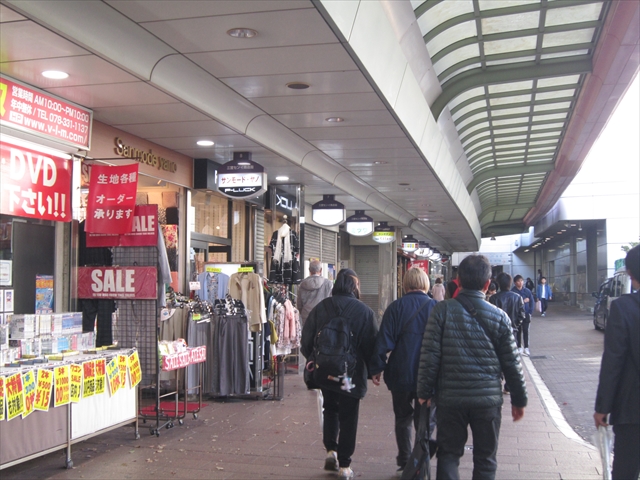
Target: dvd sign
point(241, 178)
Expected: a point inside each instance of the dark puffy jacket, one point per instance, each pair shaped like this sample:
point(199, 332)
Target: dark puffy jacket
point(525, 293)
point(401, 370)
point(512, 304)
point(363, 327)
point(460, 365)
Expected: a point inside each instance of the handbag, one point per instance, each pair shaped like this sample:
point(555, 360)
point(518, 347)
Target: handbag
point(418, 466)
point(307, 375)
point(538, 306)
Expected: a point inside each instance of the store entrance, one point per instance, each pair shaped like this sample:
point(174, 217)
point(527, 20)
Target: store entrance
point(207, 249)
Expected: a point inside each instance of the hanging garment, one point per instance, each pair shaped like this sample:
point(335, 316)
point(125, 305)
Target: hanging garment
point(247, 287)
point(230, 346)
point(213, 286)
point(285, 263)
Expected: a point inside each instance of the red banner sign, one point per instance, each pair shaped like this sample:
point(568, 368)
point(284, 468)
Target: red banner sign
point(423, 264)
point(144, 234)
point(35, 111)
point(183, 359)
point(34, 184)
point(112, 199)
point(123, 283)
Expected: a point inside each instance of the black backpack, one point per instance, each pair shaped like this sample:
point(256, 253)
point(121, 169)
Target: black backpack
point(334, 350)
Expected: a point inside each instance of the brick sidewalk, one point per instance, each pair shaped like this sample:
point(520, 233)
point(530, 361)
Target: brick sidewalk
point(249, 439)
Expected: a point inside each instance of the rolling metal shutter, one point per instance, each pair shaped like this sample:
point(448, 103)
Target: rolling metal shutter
point(312, 242)
point(329, 247)
point(366, 266)
point(259, 236)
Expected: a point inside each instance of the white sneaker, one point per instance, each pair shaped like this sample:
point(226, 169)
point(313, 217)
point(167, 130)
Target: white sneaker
point(543, 315)
point(345, 472)
point(520, 350)
point(331, 462)
point(527, 352)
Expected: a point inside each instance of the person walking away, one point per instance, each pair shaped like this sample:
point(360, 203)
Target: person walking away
point(438, 290)
point(619, 387)
point(544, 294)
point(464, 351)
point(341, 403)
point(453, 286)
point(401, 334)
point(527, 298)
point(312, 290)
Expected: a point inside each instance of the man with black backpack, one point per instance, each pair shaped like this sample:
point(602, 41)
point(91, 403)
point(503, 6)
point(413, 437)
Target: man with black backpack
point(338, 339)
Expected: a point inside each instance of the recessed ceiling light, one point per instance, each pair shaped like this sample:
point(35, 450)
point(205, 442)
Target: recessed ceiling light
point(298, 85)
point(204, 143)
point(242, 33)
point(335, 119)
point(380, 162)
point(282, 178)
point(55, 74)
point(409, 189)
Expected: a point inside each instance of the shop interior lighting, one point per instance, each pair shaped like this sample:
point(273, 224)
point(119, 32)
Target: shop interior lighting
point(383, 233)
point(205, 143)
point(359, 224)
point(409, 244)
point(55, 74)
point(328, 211)
point(242, 33)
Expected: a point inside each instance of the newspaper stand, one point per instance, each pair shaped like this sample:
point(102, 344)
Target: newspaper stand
point(165, 415)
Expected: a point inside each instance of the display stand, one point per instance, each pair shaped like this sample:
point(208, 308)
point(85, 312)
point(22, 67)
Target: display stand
point(41, 432)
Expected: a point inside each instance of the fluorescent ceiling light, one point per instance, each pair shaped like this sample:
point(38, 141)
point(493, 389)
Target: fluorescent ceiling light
point(205, 143)
point(282, 178)
point(328, 211)
point(55, 74)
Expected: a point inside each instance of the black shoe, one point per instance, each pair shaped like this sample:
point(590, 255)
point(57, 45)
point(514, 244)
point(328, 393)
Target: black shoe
point(433, 448)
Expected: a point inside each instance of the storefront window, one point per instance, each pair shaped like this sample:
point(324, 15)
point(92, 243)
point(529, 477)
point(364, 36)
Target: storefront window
point(239, 229)
point(210, 214)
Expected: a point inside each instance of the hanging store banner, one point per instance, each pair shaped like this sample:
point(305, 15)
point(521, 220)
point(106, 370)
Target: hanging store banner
point(118, 283)
point(143, 234)
point(37, 112)
point(422, 264)
point(34, 184)
point(62, 378)
point(112, 199)
point(43, 389)
point(241, 178)
point(29, 385)
point(15, 396)
point(75, 392)
point(101, 371)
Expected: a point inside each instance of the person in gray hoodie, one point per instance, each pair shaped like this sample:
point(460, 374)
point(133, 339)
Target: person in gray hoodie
point(312, 290)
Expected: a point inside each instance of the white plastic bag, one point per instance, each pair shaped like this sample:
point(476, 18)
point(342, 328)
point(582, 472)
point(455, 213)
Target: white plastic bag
point(320, 401)
point(603, 440)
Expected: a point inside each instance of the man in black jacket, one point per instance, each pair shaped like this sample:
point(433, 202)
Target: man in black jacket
point(464, 351)
point(619, 388)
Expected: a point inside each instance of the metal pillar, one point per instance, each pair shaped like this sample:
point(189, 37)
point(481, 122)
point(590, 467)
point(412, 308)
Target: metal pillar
point(573, 270)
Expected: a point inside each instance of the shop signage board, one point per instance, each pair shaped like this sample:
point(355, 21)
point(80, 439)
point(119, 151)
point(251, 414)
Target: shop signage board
point(112, 199)
point(118, 283)
point(15, 395)
point(183, 359)
point(37, 112)
point(34, 184)
point(242, 178)
point(422, 264)
point(143, 234)
point(43, 389)
point(62, 379)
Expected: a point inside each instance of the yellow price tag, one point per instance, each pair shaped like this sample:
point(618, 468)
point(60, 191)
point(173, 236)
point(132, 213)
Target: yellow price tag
point(245, 269)
point(212, 269)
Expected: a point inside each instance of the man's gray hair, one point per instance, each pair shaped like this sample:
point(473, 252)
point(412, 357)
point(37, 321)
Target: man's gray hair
point(315, 267)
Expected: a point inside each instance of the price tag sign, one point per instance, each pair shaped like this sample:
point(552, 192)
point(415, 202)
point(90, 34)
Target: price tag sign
point(1, 398)
point(43, 389)
point(62, 380)
point(113, 376)
point(135, 372)
point(15, 396)
point(76, 382)
point(194, 285)
point(122, 367)
point(101, 372)
point(245, 269)
point(88, 378)
point(212, 269)
point(29, 384)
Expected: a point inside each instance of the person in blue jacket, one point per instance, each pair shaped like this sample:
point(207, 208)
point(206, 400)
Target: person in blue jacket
point(527, 298)
point(401, 333)
point(543, 292)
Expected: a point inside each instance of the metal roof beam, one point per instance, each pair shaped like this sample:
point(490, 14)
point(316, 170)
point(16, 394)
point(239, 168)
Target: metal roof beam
point(507, 171)
point(498, 74)
point(500, 208)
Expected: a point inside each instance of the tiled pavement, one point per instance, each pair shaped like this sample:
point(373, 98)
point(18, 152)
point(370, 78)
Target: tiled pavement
point(249, 439)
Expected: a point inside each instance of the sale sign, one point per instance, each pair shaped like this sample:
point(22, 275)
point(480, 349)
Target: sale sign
point(34, 184)
point(112, 199)
point(43, 390)
point(62, 379)
point(101, 371)
point(15, 396)
point(123, 362)
point(1, 398)
point(135, 372)
point(88, 378)
point(113, 376)
point(118, 282)
point(29, 384)
point(35, 111)
point(143, 234)
point(75, 391)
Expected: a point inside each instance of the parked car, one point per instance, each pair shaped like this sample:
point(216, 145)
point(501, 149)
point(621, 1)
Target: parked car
point(609, 291)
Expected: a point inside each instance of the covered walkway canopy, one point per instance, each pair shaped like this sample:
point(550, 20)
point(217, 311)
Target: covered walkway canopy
point(450, 119)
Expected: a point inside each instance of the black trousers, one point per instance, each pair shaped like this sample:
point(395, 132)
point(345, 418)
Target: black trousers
point(626, 461)
point(407, 410)
point(523, 331)
point(543, 304)
point(340, 424)
point(452, 436)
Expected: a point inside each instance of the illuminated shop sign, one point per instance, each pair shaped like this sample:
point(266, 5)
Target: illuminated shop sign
point(144, 156)
point(34, 111)
point(241, 178)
